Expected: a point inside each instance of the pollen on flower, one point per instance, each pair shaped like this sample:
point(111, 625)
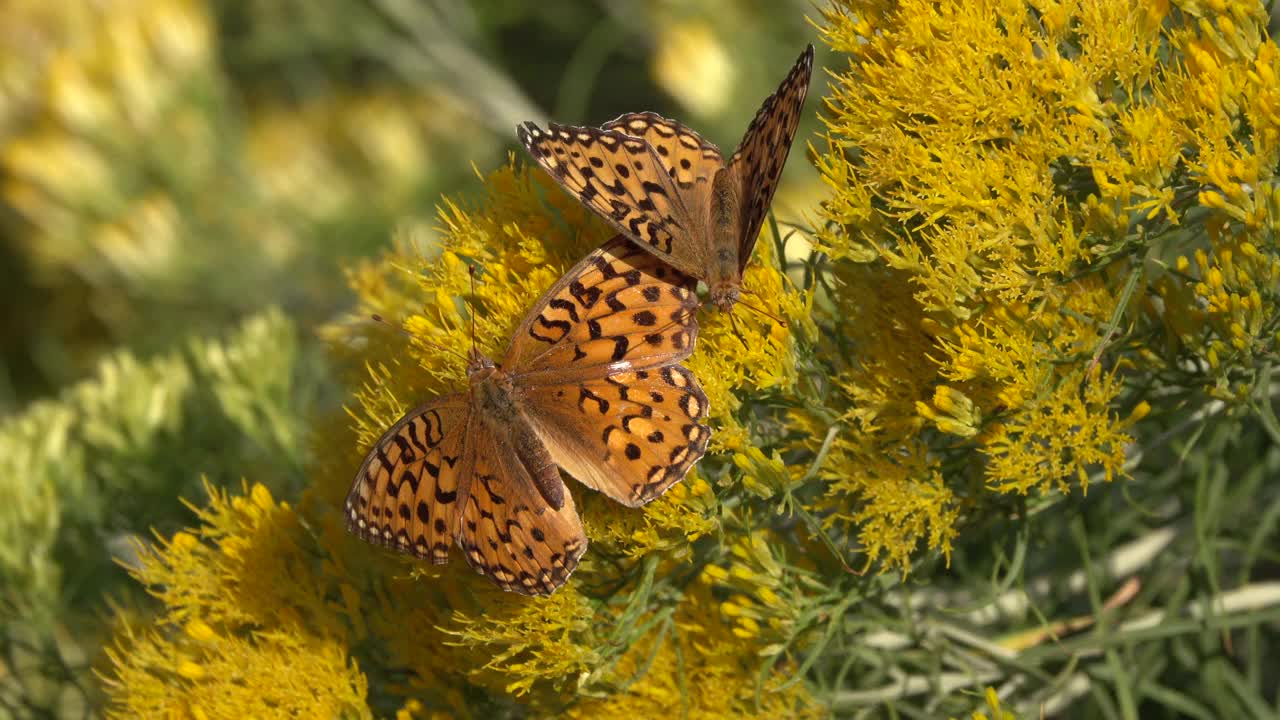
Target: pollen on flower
point(190, 670)
point(955, 414)
point(262, 497)
point(200, 630)
point(1140, 411)
point(747, 629)
point(714, 573)
point(183, 542)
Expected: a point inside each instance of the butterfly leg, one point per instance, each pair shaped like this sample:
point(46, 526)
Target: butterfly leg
point(761, 311)
point(733, 323)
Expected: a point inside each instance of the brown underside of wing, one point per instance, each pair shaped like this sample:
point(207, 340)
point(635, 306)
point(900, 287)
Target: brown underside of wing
point(763, 152)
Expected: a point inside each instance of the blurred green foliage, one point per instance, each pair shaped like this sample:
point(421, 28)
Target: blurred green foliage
point(92, 469)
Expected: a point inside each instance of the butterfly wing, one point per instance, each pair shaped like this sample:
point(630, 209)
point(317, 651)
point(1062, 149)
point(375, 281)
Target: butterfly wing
point(621, 178)
point(763, 151)
point(689, 160)
point(407, 492)
point(631, 434)
point(509, 533)
point(594, 364)
point(619, 308)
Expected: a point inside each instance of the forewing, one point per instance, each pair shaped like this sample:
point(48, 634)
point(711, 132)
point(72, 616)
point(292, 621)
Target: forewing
point(618, 176)
point(407, 492)
point(509, 533)
point(689, 160)
point(631, 435)
point(762, 154)
point(619, 308)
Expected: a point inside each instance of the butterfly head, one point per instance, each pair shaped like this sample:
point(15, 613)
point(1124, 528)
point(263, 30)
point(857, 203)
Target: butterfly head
point(479, 367)
point(724, 297)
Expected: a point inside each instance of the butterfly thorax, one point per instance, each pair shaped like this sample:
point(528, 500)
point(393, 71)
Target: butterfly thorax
point(496, 402)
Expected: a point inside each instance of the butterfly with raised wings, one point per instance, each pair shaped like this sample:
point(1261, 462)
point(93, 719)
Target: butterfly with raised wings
point(591, 383)
point(664, 187)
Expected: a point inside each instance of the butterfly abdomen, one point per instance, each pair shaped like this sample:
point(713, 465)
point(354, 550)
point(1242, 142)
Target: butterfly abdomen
point(724, 228)
point(500, 411)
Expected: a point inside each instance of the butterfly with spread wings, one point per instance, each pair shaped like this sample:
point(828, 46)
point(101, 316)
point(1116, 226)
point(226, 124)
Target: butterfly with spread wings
point(591, 383)
point(664, 187)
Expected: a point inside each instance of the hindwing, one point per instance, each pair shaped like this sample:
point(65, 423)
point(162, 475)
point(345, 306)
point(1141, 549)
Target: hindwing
point(407, 492)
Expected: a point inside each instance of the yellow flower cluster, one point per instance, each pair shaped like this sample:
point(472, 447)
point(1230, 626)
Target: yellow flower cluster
point(1223, 307)
point(203, 675)
point(696, 668)
point(260, 612)
point(247, 623)
point(1006, 178)
point(757, 604)
point(670, 523)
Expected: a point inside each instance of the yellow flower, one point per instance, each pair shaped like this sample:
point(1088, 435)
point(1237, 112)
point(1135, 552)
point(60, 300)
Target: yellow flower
point(190, 670)
point(765, 476)
point(200, 630)
point(696, 669)
point(997, 711)
point(1003, 172)
point(279, 643)
point(236, 677)
point(952, 412)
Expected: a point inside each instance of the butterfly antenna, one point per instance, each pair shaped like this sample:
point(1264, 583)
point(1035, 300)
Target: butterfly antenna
point(763, 312)
point(400, 329)
point(471, 270)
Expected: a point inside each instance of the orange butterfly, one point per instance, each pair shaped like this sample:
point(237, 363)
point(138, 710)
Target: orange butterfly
point(660, 184)
point(590, 383)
